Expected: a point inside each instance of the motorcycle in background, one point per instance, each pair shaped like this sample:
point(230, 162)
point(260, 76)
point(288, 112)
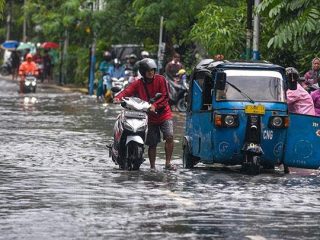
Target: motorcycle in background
point(130, 131)
point(6, 68)
point(177, 94)
point(119, 82)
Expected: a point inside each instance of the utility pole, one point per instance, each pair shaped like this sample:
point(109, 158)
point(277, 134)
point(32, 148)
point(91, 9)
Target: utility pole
point(9, 20)
point(24, 29)
point(161, 46)
point(256, 33)
point(249, 29)
point(92, 60)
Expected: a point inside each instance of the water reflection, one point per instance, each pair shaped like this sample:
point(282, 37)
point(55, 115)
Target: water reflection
point(58, 182)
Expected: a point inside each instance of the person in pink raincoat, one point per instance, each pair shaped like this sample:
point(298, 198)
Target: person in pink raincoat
point(299, 100)
point(316, 100)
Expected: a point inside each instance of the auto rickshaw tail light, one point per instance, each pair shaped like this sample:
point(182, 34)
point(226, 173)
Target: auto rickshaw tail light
point(218, 120)
point(286, 122)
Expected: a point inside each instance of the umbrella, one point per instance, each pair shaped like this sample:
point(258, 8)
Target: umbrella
point(24, 46)
point(10, 45)
point(49, 45)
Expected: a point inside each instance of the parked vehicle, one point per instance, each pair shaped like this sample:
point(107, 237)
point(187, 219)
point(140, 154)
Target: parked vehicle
point(30, 84)
point(6, 68)
point(237, 115)
point(177, 94)
point(130, 130)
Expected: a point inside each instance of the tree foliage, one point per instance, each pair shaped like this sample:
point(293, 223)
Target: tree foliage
point(291, 31)
point(294, 21)
point(221, 29)
point(289, 34)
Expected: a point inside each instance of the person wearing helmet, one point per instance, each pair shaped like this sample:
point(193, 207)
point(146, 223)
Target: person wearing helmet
point(118, 70)
point(159, 115)
point(144, 54)
point(27, 67)
point(181, 76)
point(131, 62)
point(105, 68)
point(299, 100)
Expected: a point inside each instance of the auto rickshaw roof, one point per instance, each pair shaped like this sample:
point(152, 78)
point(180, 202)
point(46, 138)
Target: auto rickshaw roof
point(210, 64)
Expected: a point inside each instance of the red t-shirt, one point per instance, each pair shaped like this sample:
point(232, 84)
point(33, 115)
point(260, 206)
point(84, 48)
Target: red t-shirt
point(158, 85)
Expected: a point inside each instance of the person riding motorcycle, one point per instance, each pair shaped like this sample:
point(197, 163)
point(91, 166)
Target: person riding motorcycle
point(105, 68)
point(144, 54)
point(27, 67)
point(160, 115)
point(313, 76)
point(118, 70)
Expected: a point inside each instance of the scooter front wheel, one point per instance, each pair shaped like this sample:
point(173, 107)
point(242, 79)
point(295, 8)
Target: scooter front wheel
point(134, 155)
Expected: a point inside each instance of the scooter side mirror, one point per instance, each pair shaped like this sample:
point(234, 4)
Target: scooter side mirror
point(292, 82)
point(221, 79)
point(115, 89)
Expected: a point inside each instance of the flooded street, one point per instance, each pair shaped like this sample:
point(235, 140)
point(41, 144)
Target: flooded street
point(57, 181)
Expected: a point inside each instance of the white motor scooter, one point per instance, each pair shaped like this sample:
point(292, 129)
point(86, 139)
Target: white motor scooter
point(130, 131)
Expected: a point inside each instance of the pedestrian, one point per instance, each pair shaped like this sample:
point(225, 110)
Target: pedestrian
point(316, 101)
point(47, 66)
point(173, 66)
point(159, 115)
point(313, 75)
point(15, 61)
point(299, 100)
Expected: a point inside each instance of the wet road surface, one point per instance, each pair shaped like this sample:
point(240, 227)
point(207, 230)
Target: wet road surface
point(58, 182)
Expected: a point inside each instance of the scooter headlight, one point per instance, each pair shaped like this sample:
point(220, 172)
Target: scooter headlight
point(27, 82)
point(33, 83)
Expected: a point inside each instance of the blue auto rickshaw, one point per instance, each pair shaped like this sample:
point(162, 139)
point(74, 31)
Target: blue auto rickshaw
point(237, 115)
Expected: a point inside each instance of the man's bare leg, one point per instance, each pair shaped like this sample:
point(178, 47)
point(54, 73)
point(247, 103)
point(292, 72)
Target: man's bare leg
point(152, 151)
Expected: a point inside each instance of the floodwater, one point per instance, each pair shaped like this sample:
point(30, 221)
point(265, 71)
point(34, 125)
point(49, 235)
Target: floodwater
point(58, 182)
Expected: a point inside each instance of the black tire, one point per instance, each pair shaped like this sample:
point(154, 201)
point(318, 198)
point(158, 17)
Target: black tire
point(182, 105)
point(4, 71)
point(188, 161)
point(134, 155)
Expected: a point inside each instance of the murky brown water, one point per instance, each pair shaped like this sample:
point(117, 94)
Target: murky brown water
point(58, 182)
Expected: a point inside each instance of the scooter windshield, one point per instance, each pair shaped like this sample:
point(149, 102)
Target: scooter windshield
point(260, 85)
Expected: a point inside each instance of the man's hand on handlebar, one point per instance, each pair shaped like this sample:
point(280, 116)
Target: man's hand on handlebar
point(152, 109)
point(116, 100)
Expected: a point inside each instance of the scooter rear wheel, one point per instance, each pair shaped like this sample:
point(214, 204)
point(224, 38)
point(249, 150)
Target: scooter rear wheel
point(181, 105)
point(4, 71)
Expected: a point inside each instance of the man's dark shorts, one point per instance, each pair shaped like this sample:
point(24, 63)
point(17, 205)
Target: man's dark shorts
point(153, 135)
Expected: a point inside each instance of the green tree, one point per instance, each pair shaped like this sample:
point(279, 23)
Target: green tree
point(293, 33)
point(221, 29)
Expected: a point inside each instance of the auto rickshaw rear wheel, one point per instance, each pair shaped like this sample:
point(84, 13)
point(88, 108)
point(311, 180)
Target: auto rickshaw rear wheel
point(188, 159)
